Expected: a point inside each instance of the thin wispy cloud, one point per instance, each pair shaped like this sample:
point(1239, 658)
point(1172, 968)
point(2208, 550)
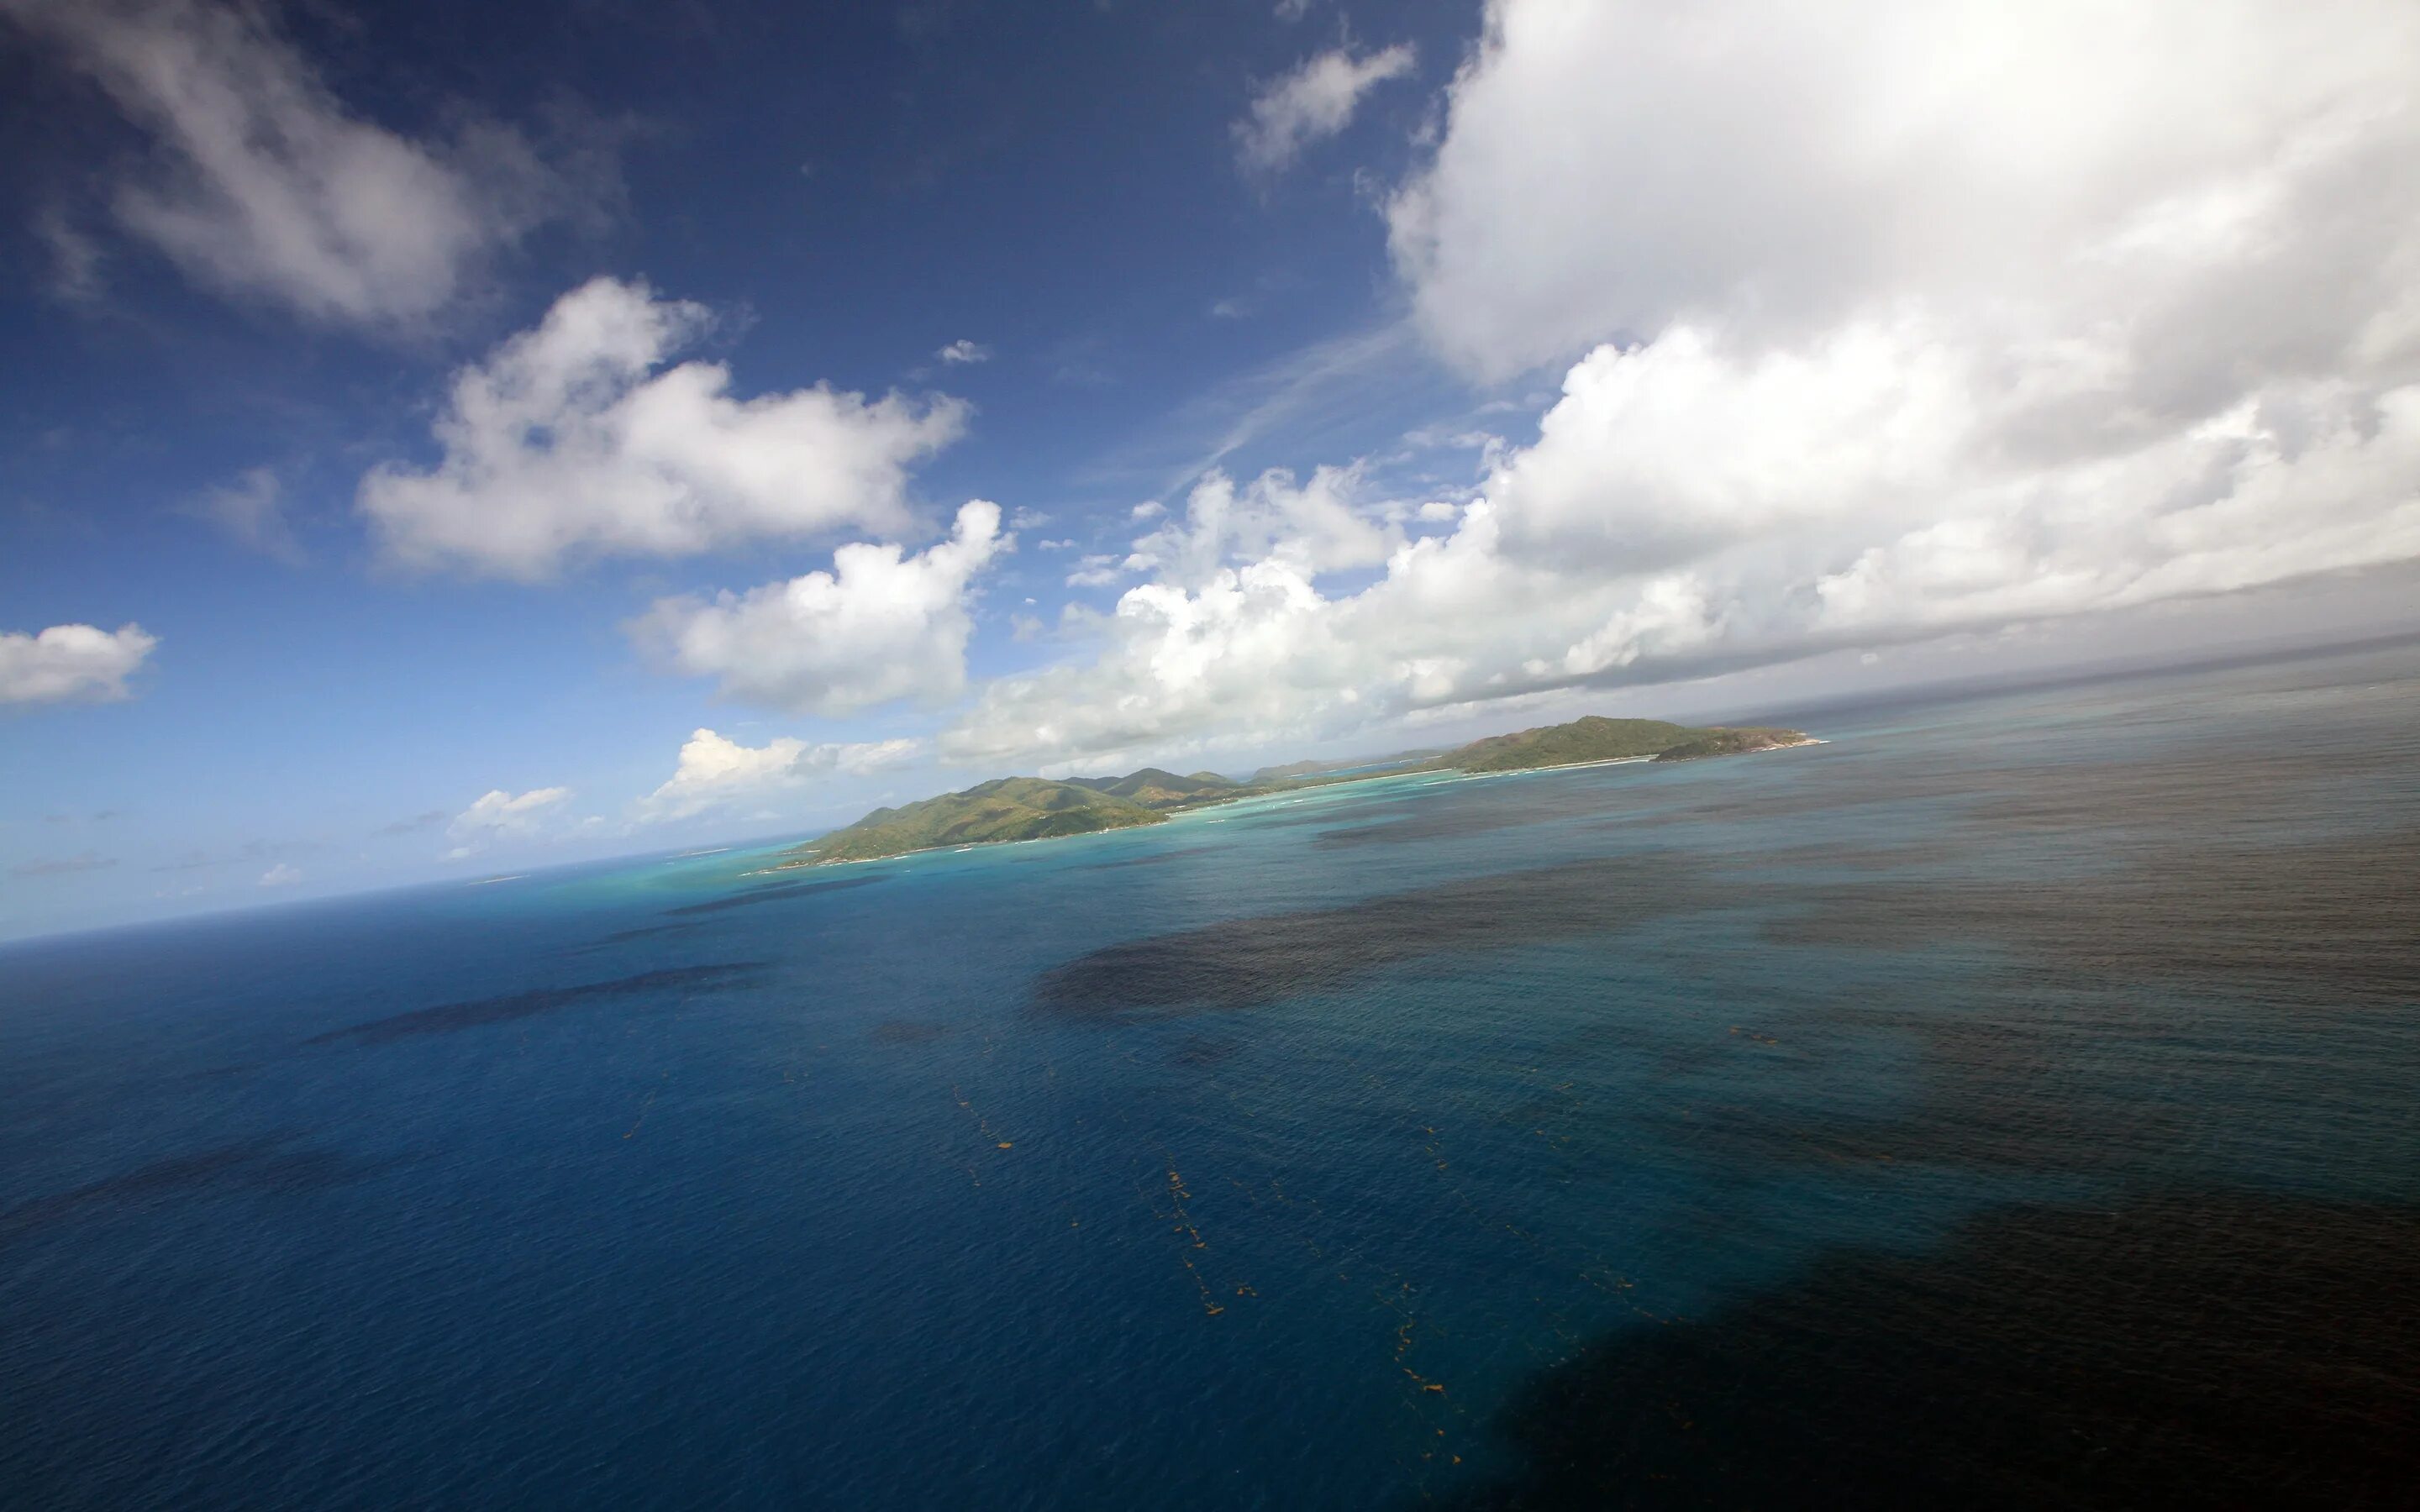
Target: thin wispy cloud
point(268, 187)
point(251, 511)
point(61, 866)
point(1314, 102)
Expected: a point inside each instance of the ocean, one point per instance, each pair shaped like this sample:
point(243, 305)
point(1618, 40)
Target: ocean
point(2014, 1099)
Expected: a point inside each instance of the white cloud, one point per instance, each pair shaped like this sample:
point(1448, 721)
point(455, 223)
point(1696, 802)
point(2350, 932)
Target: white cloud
point(68, 663)
point(266, 186)
point(1312, 528)
point(1610, 167)
point(1311, 105)
point(280, 875)
point(574, 440)
point(500, 816)
point(962, 351)
point(715, 771)
point(1888, 324)
point(881, 625)
point(251, 510)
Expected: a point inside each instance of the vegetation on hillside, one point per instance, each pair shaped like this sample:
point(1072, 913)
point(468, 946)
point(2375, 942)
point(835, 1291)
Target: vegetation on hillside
point(1731, 743)
point(1034, 807)
point(1591, 739)
point(1164, 791)
point(1005, 808)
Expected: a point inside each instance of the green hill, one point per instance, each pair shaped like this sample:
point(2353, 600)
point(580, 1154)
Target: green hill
point(1731, 743)
point(1595, 739)
point(1035, 808)
point(1005, 808)
point(1156, 789)
point(1290, 770)
point(1355, 765)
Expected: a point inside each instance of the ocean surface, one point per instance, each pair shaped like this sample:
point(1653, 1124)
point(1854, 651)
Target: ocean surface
point(2015, 1100)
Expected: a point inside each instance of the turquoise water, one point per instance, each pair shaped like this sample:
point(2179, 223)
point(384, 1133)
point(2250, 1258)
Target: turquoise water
point(2012, 1096)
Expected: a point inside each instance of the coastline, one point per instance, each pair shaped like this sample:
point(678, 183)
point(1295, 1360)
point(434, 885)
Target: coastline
point(1440, 778)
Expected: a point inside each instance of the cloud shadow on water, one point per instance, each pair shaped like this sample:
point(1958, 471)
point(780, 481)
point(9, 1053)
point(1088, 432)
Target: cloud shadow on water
point(2189, 1347)
point(2330, 923)
point(1250, 962)
point(262, 1164)
point(445, 1018)
point(773, 893)
point(1156, 858)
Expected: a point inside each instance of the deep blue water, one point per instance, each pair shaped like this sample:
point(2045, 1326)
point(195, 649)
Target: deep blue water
point(2016, 1095)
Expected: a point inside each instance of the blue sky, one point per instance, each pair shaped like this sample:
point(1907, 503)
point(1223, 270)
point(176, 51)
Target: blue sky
point(425, 425)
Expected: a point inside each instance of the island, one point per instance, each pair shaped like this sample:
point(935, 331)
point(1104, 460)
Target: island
point(1034, 807)
point(1586, 741)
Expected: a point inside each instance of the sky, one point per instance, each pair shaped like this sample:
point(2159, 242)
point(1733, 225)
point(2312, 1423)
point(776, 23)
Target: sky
point(442, 440)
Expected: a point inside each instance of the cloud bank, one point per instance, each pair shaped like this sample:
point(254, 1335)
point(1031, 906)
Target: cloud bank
point(1880, 324)
point(72, 663)
point(574, 441)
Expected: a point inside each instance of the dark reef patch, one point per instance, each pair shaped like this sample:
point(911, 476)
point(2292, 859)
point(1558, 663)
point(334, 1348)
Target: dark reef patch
point(261, 1164)
point(626, 935)
point(2329, 921)
point(447, 1017)
point(1161, 858)
point(2215, 788)
point(2188, 1348)
point(773, 893)
point(905, 1031)
point(1249, 963)
point(1201, 1050)
point(1479, 808)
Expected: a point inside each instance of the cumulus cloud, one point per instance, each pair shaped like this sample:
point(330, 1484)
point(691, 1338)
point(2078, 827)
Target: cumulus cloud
point(1312, 528)
point(1311, 105)
point(280, 875)
point(575, 440)
point(265, 185)
point(962, 351)
point(881, 625)
point(714, 770)
point(1882, 325)
point(72, 663)
point(1610, 167)
point(501, 815)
